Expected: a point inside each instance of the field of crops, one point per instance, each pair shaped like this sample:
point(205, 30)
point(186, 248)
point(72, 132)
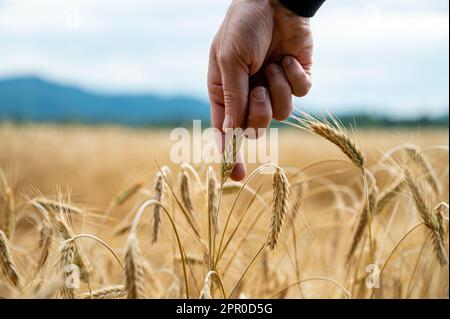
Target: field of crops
point(101, 212)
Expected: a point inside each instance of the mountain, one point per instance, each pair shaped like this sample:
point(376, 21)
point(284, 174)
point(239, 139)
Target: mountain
point(33, 99)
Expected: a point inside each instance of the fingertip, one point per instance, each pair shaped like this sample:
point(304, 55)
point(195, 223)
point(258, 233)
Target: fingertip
point(299, 79)
point(239, 172)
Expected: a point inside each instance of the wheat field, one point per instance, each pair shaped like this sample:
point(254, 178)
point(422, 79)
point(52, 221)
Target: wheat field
point(101, 212)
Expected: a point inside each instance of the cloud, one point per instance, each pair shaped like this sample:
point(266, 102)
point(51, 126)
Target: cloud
point(376, 53)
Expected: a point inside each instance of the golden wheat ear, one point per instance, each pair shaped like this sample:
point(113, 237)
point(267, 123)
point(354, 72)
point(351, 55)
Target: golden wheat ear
point(370, 208)
point(185, 191)
point(425, 166)
point(6, 262)
point(431, 218)
point(212, 198)
point(133, 268)
point(158, 191)
point(334, 133)
point(112, 292)
point(229, 157)
point(280, 186)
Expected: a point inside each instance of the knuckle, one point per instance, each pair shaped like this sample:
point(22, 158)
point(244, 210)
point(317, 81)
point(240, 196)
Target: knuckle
point(215, 92)
point(230, 97)
point(225, 57)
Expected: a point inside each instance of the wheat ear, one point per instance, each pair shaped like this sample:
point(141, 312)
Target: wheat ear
point(45, 242)
point(130, 191)
point(230, 155)
point(57, 206)
point(65, 265)
point(362, 222)
point(430, 218)
point(185, 191)
point(7, 264)
point(212, 198)
point(440, 234)
point(280, 186)
point(389, 194)
point(158, 194)
point(65, 232)
point(112, 292)
point(339, 138)
point(10, 213)
point(133, 268)
point(421, 161)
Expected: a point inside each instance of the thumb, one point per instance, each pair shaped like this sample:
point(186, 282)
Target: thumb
point(235, 93)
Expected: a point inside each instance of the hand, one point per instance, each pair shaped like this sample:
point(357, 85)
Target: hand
point(261, 55)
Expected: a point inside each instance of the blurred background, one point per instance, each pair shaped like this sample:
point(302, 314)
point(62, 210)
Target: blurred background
point(145, 62)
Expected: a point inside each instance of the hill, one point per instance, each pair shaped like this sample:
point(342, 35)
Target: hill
point(32, 99)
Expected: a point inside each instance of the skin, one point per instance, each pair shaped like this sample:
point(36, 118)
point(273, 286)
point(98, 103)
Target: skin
point(260, 57)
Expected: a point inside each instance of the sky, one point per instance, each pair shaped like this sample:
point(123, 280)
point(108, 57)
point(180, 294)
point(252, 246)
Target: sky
point(380, 56)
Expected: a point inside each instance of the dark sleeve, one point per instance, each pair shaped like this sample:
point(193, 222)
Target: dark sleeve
point(304, 8)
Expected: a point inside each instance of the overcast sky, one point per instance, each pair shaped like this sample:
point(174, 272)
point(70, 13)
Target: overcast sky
point(383, 56)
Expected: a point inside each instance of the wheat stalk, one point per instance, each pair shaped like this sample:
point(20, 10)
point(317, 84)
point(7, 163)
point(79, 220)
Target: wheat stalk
point(133, 268)
point(280, 186)
point(7, 264)
point(174, 291)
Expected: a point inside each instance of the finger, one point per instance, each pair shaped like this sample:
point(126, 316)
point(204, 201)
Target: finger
point(235, 91)
point(260, 110)
point(239, 169)
point(215, 91)
point(280, 92)
point(216, 97)
point(299, 80)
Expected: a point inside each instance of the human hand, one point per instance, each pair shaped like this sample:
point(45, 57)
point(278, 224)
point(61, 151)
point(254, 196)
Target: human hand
point(261, 55)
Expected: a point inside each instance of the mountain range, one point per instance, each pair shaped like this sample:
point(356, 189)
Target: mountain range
point(31, 99)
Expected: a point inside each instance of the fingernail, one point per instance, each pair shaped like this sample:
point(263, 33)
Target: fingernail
point(273, 69)
point(287, 60)
point(227, 123)
point(259, 94)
